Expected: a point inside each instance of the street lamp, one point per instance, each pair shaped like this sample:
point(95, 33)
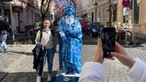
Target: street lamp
point(133, 36)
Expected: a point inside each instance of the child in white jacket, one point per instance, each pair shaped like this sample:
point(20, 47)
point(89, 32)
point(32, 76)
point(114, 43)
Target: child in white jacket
point(94, 71)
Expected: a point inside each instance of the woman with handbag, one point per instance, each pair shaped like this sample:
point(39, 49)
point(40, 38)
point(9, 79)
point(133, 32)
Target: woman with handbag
point(45, 37)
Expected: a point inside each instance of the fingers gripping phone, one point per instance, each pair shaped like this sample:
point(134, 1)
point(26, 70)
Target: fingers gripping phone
point(108, 41)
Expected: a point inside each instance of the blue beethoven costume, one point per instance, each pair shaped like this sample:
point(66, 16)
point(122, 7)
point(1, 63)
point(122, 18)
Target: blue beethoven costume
point(70, 42)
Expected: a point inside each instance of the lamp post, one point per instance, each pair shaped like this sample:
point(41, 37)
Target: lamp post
point(133, 36)
point(12, 22)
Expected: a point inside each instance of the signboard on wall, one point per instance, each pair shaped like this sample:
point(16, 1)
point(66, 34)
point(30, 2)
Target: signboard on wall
point(125, 11)
point(113, 1)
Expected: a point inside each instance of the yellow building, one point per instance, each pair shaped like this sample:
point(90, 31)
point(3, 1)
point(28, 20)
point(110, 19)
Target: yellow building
point(136, 16)
point(134, 19)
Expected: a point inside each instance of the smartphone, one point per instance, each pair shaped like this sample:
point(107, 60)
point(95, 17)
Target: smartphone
point(108, 41)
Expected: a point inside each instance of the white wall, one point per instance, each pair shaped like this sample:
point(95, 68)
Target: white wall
point(84, 4)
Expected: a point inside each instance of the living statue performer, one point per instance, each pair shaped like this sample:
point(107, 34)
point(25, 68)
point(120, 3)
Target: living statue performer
point(70, 42)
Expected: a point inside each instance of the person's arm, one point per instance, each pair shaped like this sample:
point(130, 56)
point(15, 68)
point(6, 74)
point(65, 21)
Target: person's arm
point(61, 32)
point(94, 71)
point(121, 54)
point(78, 31)
point(137, 67)
point(138, 71)
point(60, 28)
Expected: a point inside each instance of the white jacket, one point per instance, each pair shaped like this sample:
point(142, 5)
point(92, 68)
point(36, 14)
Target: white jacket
point(95, 72)
point(47, 38)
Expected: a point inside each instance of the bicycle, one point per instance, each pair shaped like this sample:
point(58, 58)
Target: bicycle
point(123, 35)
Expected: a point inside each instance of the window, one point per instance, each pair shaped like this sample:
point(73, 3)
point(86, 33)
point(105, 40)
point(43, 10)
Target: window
point(125, 19)
point(114, 15)
point(99, 14)
point(135, 11)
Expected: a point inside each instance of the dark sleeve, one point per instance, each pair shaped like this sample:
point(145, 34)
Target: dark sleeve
point(7, 26)
point(53, 32)
point(53, 29)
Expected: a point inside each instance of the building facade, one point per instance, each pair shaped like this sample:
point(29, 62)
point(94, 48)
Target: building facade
point(142, 18)
point(81, 9)
point(135, 19)
point(20, 13)
point(91, 11)
point(105, 12)
point(86, 10)
point(94, 10)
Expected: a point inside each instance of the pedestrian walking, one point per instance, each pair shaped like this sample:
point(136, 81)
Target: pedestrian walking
point(49, 48)
point(85, 27)
point(4, 30)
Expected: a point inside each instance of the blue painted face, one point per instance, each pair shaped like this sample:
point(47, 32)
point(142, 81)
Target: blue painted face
point(69, 10)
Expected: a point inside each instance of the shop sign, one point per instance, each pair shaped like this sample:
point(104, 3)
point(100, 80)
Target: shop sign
point(125, 11)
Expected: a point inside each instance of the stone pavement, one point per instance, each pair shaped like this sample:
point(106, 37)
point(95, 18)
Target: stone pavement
point(16, 64)
point(14, 55)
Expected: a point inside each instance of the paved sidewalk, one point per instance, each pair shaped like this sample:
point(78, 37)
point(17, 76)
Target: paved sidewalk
point(115, 72)
point(18, 67)
point(13, 56)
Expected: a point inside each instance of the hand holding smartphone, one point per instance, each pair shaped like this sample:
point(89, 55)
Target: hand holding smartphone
point(108, 41)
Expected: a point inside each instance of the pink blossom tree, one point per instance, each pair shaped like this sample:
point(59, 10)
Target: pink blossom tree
point(59, 6)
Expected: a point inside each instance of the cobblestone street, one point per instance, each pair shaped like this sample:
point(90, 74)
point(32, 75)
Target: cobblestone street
point(16, 64)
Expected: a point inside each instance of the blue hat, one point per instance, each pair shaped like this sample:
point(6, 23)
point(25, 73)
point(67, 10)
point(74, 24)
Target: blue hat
point(70, 9)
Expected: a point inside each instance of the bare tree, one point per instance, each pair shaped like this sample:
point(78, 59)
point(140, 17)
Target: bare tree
point(45, 5)
point(59, 6)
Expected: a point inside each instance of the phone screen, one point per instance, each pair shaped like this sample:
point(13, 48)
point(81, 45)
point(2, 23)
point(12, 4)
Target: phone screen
point(108, 41)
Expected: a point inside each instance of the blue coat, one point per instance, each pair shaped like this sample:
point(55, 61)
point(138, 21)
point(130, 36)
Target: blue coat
point(70, 46)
